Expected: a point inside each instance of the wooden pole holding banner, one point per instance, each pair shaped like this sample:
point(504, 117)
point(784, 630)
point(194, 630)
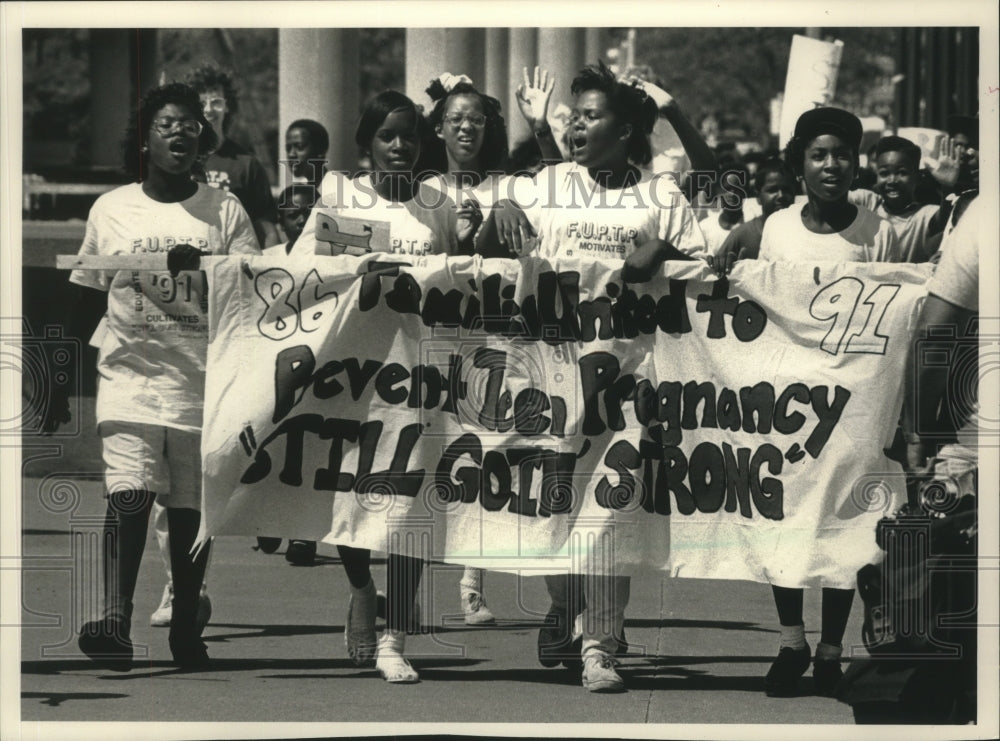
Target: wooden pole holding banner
point(345, 235)
point(140, 261)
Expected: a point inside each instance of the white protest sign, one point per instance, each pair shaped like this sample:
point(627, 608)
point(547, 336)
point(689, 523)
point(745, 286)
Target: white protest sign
point(810, 82)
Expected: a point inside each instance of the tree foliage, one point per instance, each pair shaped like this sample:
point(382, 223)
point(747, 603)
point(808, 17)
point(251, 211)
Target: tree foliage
point(733, 73)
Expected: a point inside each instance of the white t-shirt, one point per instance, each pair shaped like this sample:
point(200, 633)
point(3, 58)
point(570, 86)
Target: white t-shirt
point(424, 225)
point(956, 278)
point(574, 216)
point(866, 239)
point(715, 235)
point(911, 226)
point(153, 342)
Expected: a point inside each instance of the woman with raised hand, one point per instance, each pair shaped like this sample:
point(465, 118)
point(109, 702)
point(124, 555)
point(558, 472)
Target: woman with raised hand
point(572, 209)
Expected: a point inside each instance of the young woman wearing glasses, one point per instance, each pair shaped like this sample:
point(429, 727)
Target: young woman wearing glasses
point(151, 363)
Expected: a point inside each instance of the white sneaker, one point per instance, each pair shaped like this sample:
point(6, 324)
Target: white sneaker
point(599, 673)
point(475, 609)
point(389, 659)
point(359, 628)
point(161, 615)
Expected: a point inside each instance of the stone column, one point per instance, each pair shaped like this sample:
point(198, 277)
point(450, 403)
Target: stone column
point(562, 52)
point(110, 94)
point(595, 45)
point(318, 79)
point(431, 51)
point(522, 46)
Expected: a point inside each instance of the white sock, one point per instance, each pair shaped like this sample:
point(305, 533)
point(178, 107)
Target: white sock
point(793, 636)
point(828, 652)
point(391, 642)
point(472, 580)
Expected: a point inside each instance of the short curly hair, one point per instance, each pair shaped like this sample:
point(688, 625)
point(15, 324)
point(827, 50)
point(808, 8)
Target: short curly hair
point(628, 102)
point(209, 77)
point(899, 144)
point(133, 145)
point(318, 135)
point(493, 155)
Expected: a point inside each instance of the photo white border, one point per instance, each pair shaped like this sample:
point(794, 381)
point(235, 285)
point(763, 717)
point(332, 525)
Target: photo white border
point(477, 13)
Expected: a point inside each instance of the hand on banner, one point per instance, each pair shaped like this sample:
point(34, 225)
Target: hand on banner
point(183, 257)
point(722, 264)
point(944, 169)
point(643, 263)
point(533, 97)
point(470, 218)
point(514, 231)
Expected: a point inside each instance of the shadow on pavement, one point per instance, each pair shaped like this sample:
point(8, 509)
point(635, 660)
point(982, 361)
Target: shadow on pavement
point(675, 623)
point(56, 699)
point(250, 630)
point(149, 669)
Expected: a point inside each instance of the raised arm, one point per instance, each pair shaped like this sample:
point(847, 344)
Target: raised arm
point(695, 147)
point(533, 97)
point(944, 169)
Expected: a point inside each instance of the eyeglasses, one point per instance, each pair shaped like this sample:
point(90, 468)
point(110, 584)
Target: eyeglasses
point(456, 119)
point(216, 104)
point(165, 125)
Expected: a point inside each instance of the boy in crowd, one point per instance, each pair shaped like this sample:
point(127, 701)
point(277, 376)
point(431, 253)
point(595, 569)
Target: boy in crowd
point(775, 186)
point(897, 165)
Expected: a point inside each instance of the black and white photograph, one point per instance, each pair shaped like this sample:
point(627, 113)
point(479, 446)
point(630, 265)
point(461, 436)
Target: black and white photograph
point(582, 370)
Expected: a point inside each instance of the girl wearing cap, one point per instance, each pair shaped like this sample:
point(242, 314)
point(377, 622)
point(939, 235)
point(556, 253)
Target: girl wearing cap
point(823, 154)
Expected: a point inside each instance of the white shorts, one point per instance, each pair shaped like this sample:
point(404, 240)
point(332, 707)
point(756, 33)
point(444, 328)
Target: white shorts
point(164, 461)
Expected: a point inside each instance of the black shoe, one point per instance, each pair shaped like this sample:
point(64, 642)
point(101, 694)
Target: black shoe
point(108, 643)
point(188, 650)
point(622, 644)
point(572, 658)
point(301, 552)
point(268, 545)
point(826, 675)
point(783, 677)
point(555, 639)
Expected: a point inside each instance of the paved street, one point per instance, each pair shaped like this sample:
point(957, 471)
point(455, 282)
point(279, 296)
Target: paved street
point(698, 652)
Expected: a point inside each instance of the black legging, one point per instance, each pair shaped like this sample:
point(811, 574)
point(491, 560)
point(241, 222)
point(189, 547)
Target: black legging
point(836, 610)
point(402, 581)
point(126, 524)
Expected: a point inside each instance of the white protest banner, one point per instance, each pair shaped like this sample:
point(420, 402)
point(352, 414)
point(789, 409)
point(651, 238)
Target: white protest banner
point(810, 82)
point(929, 140)
point(536, 415)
